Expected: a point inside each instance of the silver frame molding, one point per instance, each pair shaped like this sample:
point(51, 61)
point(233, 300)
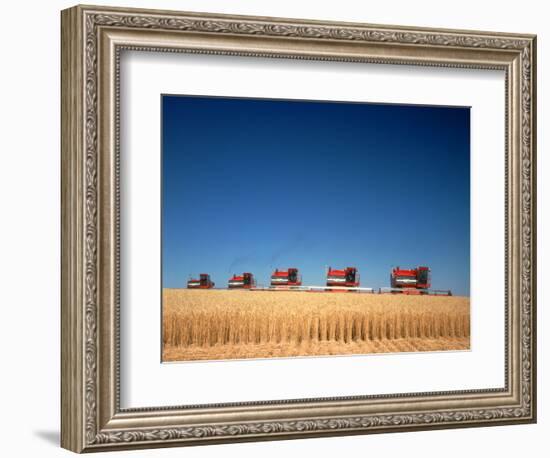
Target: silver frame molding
point(92, 40)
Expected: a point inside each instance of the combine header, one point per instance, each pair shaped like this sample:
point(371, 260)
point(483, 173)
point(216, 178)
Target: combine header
point(286, 278)
point(203, 282)
point(412, 281)
point(246, 281)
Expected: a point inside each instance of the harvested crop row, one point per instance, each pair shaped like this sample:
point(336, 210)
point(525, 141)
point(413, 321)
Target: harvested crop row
point(273, 350)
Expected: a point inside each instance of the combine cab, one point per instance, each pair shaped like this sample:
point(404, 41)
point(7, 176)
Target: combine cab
point(246, 281)
point(347, 278)
point(203, 282)
point(289, 277)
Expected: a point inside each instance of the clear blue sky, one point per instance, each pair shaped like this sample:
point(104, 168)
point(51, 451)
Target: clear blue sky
point(249, 185)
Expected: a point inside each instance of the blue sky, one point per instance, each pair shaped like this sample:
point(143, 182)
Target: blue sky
point(249, 185)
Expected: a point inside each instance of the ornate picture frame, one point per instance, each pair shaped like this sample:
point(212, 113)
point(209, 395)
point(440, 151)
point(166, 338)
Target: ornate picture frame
point(92, 41)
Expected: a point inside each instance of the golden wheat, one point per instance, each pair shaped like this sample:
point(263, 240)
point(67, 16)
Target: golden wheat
point(216, 324)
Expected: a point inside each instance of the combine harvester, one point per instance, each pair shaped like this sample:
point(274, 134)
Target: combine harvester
point(412, 281)
point(348, 277)
point(203, 282)
point(286, 279)
point(244, 281)
point(341, 281)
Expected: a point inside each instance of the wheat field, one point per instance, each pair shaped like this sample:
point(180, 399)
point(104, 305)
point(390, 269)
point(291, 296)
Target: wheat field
point(221, 324)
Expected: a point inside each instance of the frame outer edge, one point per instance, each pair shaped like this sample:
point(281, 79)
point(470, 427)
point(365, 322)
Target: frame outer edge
point(72, 435)
point(81, 376)
point(533, 112)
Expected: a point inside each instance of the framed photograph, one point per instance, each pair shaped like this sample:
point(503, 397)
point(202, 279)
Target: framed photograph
point(283, 185)
point(277, 228)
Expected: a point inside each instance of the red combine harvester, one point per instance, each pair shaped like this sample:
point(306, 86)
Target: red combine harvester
point(203, 282)
point(246, 280)
point(410, 281)
point(346, 278)
point(414, 281)
point(284, 278)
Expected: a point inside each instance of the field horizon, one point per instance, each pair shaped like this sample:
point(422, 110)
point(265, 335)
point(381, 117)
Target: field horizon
point(237, 324)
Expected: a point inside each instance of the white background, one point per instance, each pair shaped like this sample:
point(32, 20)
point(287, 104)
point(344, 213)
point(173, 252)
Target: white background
point(29, 242)
point(146, 383)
